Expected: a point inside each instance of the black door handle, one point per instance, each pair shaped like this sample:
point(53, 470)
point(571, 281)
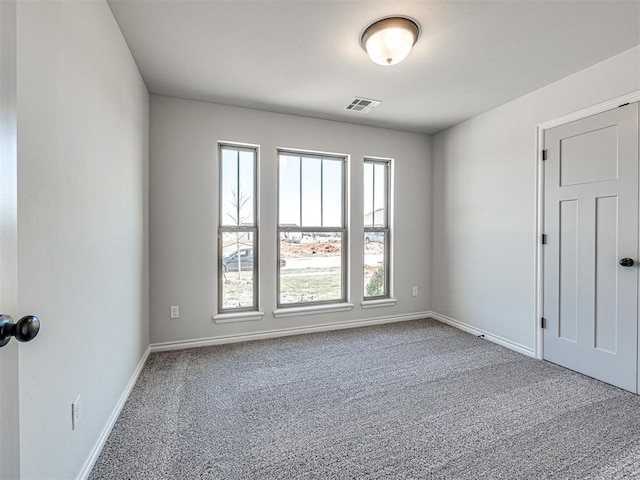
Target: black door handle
point(626, 262)
point(24, 330)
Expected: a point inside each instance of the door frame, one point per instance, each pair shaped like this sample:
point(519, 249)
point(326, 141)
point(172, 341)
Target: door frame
point(9, 355)
point(539, 217)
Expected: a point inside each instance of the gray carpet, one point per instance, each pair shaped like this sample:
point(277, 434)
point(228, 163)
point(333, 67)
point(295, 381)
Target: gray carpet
point(409, 400)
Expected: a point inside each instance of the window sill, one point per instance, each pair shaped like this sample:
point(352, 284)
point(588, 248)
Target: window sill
point(312, 310)
point(383, 302)
point(237, 317)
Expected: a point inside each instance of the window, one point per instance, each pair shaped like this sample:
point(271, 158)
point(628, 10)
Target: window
point(238, 230)
point(311, 229)
point(377, 237)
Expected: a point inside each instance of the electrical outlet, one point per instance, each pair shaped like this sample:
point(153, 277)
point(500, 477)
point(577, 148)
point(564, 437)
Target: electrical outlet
point(76, 413)
point(175, 312)
point(415, 291)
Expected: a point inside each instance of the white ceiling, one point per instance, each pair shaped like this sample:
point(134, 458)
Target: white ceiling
point(303, 56)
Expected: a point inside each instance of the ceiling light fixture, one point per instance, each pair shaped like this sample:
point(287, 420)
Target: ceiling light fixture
point(389, 40)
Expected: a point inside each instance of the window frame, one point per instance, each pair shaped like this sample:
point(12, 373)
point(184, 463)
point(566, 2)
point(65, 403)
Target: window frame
point(251, 230)
point(385, 230)
point(343, 230)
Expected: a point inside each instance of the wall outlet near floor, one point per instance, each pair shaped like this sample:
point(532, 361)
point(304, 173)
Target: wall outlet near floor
point(76, 414)
point(415, 291)
point(175, 312)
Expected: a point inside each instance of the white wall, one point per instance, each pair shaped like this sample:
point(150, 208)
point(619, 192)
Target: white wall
point(82, 216)
point(184, 199)
point(484, 208)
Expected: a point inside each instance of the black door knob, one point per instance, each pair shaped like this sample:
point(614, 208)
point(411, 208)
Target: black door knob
point(626, 262)
point(24, 330)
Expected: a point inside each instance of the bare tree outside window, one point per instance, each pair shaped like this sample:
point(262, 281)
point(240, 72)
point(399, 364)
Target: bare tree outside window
point(239, 216)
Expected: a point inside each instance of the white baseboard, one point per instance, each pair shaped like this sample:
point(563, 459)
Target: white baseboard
point(203, 342)
point(489, 336)
point(97, 448)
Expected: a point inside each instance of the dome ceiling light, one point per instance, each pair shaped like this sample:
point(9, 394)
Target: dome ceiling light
point(389, 40)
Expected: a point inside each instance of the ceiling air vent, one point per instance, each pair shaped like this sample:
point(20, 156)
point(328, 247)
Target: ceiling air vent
point(363, 105)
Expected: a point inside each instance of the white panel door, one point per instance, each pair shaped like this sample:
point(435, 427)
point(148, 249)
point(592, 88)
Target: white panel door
point(591, 223)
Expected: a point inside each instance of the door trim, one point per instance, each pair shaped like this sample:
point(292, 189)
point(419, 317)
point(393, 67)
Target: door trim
point(539, 201)
point(10, 451)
